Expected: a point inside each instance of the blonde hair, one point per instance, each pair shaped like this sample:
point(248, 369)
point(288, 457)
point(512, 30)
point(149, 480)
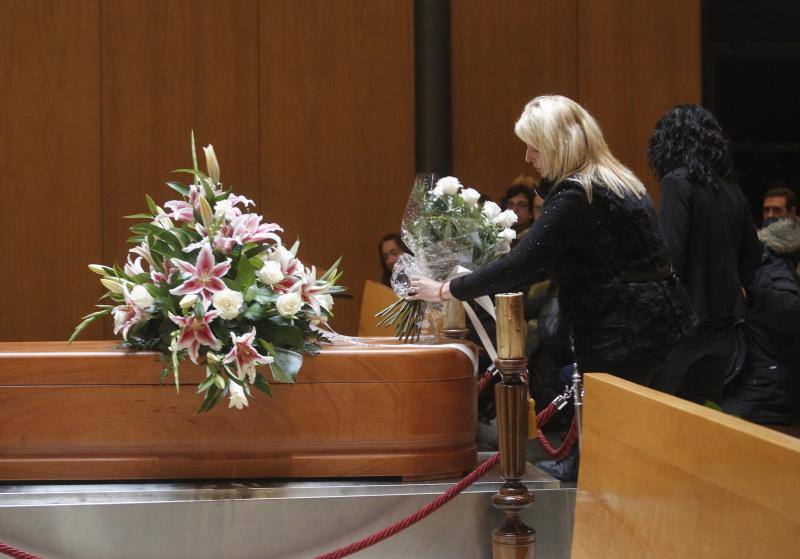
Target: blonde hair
point(571, 144)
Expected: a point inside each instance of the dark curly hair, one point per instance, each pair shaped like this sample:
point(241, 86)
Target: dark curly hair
point(689, 136)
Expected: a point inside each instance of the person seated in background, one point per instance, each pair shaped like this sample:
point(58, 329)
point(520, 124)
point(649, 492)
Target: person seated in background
point(763, 384)
point(390, 249)
point(779, 202)
point(519, 198)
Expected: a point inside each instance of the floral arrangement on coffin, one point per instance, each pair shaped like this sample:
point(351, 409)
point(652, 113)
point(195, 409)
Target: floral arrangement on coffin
point(444, 226)
point(210, 281)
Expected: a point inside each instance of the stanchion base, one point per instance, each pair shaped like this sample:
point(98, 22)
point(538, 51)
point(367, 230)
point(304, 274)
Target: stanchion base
point(513, 546)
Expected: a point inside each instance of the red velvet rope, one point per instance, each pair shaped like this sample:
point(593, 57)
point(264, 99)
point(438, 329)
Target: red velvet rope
point(6, 549)
point(434, 505)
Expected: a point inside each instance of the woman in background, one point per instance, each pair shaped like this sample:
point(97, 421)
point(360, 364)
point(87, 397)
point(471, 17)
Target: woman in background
point(711, 240)
point(390, 248)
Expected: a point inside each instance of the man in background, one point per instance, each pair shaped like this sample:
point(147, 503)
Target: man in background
point(779, 202)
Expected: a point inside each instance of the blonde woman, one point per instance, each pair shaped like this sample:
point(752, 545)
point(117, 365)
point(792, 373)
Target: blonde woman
point(599, 238)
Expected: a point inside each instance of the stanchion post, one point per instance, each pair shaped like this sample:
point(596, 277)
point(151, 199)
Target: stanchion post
point(514, 539)
point(455, 320)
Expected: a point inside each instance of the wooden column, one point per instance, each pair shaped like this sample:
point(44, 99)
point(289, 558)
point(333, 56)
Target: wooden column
point(513, 540)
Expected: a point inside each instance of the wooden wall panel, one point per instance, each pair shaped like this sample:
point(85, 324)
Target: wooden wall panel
point(170, 67)
point(337, 129)
point(50, 161)
point(637, 59)
point(503, 55)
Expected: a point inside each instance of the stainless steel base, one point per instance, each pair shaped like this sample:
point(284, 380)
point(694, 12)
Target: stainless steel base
point(269, 519)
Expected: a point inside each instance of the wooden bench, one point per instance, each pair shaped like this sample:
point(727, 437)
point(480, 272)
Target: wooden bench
point(661, 477)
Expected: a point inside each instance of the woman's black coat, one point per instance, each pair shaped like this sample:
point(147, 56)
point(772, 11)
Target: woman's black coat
point(611, 264)
point(712, 243)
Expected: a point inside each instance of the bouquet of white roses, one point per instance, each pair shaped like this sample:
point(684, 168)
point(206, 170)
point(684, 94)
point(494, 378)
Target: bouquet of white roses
point(444, 226)
point(210, 281)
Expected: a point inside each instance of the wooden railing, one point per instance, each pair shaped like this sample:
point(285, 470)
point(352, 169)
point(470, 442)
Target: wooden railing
point(661, 477)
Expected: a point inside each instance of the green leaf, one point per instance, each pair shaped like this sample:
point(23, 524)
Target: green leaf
point(213, 396)
point(159, 233)
point(286, 365)
point(206, 383)
point(245, 273)
point(178, 187)
point(331, 271)
point(266, 346)
point(199, 174)
point(262, 384)
point(260, 295)
point(713, 405)
point(279, 333)
point(151, 205)
point(255, 312)
point(88, 319)
point(138, 216)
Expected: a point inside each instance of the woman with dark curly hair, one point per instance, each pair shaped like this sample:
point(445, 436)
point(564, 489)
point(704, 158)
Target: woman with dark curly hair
point(711, 240)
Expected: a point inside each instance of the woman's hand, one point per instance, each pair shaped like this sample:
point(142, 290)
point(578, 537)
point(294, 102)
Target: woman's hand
point(425, 289)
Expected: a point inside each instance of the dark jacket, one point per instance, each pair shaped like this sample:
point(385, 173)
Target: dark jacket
point(712, 243)
point(765, 388)
point(611, 264)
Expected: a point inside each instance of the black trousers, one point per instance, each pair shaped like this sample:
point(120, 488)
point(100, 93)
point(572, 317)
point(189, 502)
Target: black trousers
point(696, 367)
point(649, 371)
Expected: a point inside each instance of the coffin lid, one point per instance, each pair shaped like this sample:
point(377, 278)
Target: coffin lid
point(92, 363)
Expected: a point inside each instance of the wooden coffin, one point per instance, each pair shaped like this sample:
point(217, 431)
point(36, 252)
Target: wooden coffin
point(90, 412)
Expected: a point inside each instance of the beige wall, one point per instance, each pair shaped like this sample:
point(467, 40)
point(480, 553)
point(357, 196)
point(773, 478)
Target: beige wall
point(310, 106)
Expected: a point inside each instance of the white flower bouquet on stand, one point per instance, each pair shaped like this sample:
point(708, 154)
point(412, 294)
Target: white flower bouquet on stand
point(208, 280)
point(444, 226)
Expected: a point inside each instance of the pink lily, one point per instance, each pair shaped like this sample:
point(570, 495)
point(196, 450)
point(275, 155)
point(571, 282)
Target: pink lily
point(314, 292)
point(166, 275)
point(246, 356)
point(181, 211)
point(205, 278)
point(247, 228)
point(195, 332)
point(127, 315)
point(194, 196)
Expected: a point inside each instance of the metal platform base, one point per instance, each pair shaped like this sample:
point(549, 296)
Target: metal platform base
point(269, 519)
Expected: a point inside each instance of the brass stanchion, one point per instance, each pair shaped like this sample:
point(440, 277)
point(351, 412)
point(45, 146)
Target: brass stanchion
point(514, 539)
point(455, 320)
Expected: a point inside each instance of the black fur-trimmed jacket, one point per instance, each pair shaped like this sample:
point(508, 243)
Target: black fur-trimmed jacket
point(611, 264)
point(765, 383)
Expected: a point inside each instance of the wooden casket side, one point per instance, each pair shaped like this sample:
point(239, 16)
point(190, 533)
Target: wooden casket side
point(88, 411)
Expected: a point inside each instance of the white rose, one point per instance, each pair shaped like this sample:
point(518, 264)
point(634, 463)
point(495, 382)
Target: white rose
point(491, 210)
point(506, 219)
point(448, 185)
point(506, 236)
point(228, 302)
point(188, 301)
point(471, 196)
point(289, 304)
point(270, 273)
point(141, 297)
